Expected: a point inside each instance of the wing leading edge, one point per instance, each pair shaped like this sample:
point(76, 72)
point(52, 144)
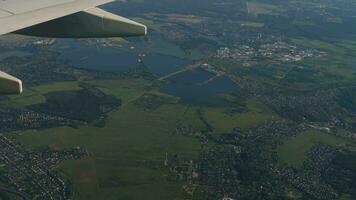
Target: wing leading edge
point(62, 19)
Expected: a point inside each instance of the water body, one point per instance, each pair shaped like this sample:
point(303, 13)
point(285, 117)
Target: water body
point(207, 94)
point(159, 46)
point(116, 59)
point(8, 54)
point(108, 59)
point(160, 64)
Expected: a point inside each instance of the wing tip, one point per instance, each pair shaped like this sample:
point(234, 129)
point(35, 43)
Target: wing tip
point(9, 84)
point(20, 90)
point(146, 30)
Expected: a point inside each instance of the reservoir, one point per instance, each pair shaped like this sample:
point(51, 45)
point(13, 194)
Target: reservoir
point(118, 59)
point(107, 59)
point(191, 92)
point(161, 65)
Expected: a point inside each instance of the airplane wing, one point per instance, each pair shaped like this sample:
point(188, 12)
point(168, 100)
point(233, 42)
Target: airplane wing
point(62, 19)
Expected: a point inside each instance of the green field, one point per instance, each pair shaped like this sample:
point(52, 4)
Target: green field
point(192, 119)
point(34, 95)
point(322, 45)
point(180, 18)
point(123, 152)
point(127, 89)
point(345, 197)
point(224, 121)
point(56, 87)
point(294, 151)
point(335, 68)
point(257, 8)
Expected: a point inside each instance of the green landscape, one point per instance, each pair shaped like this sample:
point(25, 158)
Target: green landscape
point(232, 99)
point(127, 152)
point(294, 151)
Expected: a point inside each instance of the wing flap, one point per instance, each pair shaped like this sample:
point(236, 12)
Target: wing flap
point(116, 25)
point(94, 22)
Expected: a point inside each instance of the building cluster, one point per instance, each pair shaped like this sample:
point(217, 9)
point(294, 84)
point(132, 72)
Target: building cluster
point(44, 42)
point(30, 173)
point(12, 120)
point(278, 51)
point(310, 178)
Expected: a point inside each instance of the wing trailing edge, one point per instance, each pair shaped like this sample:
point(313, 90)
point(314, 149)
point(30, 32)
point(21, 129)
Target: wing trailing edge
point(18, 21)
point(93, 23)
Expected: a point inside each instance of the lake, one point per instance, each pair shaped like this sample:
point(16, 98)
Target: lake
point(185, 86)
point(107, 59)
point(118, 59)
point(160, 64)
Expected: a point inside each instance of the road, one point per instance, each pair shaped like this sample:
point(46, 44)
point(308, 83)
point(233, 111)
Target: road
point(189, 67)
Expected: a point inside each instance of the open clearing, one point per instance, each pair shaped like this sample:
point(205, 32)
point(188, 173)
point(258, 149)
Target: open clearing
point(294, 152)
point(256, 8)
point(224, 121)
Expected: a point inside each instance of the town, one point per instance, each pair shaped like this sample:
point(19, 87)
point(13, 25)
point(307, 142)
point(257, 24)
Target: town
point(277, 51)
point(30, 173)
